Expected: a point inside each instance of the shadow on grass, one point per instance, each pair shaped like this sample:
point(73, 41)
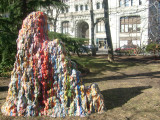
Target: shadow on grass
point(123, 76)
point(117, 97)
point(3, 88)
point(2, 98)
point(99, 63)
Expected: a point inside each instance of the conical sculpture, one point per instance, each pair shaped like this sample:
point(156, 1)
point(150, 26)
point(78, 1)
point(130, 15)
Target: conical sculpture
point(44, 80)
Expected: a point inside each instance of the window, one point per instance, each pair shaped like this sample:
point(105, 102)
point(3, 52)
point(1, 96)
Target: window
point(65, 27)
point(48, 27)
point(76, 7)
point(131, 2)
point(126, 3)
point(65, 0)
point(49, 12)
point(67, 9)
point(86, 7)
point(130, 24)
point(140, 2)
point(120, 3)
point(102, 5)
point(62, 10)
point(159, 5)
point(98, 5)
point(126, 28)
point(81, 7)
point(100, 27)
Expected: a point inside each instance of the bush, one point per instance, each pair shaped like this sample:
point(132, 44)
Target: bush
point(8, 49)
point(125, 51)
point(74, 45)
point(7, 53)
point(153, 47)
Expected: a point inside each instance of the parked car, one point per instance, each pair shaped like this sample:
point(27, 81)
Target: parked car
point(90, 47)
point(87, 48)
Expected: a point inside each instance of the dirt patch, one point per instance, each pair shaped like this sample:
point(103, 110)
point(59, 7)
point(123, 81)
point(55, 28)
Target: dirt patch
point(130, 86)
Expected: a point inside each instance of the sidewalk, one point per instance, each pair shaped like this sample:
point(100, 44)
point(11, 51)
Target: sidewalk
point(103, 52)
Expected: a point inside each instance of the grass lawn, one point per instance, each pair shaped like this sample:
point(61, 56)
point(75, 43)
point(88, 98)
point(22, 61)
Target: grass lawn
point(130, 86)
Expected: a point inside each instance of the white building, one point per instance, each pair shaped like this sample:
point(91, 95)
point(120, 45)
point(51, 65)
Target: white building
point(130, 21)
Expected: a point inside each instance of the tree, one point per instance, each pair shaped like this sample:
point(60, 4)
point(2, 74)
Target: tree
point(108, 33)
point(53, 18)
point(93, 24)
point(73, 45)
point(12, 13)
point(107, 27)
point(154, 21)
point(92, 28)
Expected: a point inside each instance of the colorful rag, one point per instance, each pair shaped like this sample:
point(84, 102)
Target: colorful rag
point(44, 80)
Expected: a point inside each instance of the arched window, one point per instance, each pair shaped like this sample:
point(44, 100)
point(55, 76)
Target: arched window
point(65, 27)
point(76, 8)
point(126, 3)
point(140, 2)
point(81, 7)
point(131, 2)
point(100, 27)
point(67, 9)
point(86, 7)
point(120, 3)
point(98, 5)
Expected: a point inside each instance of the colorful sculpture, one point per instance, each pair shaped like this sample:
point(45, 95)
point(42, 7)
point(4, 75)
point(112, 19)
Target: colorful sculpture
point(44, 80)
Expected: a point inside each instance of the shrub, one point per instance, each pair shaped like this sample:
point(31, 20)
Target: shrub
point(153, 47)
point(126, 51)
point(74, 45)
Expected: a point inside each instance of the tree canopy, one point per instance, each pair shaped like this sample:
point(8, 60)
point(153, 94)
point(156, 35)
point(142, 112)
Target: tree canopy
point(12, 13)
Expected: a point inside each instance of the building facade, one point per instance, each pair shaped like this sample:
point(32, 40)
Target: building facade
point(131, 21)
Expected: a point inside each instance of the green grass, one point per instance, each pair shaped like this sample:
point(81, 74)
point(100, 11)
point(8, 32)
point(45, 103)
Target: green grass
point(99, 64)
point(91, 63)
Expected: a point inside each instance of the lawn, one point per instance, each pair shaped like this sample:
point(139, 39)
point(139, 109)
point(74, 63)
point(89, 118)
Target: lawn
point(130, 86)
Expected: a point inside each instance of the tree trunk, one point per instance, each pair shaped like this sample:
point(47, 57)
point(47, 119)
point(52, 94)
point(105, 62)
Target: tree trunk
point(108, 33)
point(92, 28)
point(55, 26)
point(55, 19)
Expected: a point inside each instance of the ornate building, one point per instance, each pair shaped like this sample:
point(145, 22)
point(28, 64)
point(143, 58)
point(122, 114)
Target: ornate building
point(130, 21)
